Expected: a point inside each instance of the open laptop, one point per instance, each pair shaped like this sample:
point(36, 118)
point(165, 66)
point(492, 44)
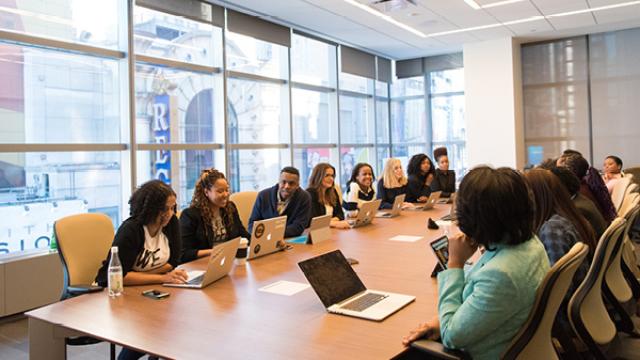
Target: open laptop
point(451, 216)
point(366, 213)
point(395, 210)
point(428, 205)
point(342, 292)
point(266, 235)
point(219, 265)
point(319, 230)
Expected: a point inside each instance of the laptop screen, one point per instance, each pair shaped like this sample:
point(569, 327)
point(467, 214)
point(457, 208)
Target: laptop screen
point(331, 277)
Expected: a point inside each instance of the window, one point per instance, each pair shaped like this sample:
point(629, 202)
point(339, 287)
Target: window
point(258, 112)
point(382, 124)
point(408, 117)
point(448, 126)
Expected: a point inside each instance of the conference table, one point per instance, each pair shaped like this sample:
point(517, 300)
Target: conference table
point(232, 319)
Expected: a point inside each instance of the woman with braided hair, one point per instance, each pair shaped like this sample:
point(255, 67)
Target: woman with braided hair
point(211, 218)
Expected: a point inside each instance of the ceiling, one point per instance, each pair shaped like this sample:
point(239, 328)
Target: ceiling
point(338, 20)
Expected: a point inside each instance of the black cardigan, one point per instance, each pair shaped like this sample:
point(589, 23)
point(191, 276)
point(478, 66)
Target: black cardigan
point(318, 209)
point(130, 242)
point(445, 182)
point(388, 196)
point(417, 188)
point(194, 237)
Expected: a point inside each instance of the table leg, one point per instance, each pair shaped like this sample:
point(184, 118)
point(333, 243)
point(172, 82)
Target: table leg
point(45, 342)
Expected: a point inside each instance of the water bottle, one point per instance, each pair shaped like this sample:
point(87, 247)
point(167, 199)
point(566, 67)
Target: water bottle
point(116, 286)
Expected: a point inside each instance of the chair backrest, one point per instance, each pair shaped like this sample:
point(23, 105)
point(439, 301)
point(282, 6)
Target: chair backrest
point(533, 341)
point(629, 202)
point(83, 242)
point(614, 277)
point(244, 201)
point(635, 171)
point(619, 191)
point(587, 312)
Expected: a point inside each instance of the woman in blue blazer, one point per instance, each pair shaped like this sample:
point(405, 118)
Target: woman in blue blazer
point(481, 311)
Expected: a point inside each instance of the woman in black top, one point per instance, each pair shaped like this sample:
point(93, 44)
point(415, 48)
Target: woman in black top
point(211, 218)
point(149, 240)
point(392, 184)
point(324, 197)
point(444, 179)
point(148, 243)
point(421, 174)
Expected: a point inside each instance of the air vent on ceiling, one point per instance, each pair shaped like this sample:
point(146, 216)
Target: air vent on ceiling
point(392, 5)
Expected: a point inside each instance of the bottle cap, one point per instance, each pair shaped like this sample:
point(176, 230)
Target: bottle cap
point(114, 249)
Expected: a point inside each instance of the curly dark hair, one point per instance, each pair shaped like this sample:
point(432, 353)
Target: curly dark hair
point(356, 171)
point(149, 201)
point(414, 165)
point(495, 206)
point(576, 163)
point(200, 201)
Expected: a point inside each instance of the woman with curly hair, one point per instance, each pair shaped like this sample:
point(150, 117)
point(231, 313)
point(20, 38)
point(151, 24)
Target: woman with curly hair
point(211, 218)
point(149, 240)
point(421, 174)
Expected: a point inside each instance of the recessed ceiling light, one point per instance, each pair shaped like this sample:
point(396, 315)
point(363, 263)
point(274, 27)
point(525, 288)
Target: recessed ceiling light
point(500, 3)
point(386, 18)
point(473, 4)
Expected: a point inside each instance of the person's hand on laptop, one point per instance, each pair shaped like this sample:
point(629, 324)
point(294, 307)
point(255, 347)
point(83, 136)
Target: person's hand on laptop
point(176, 276)
point(429, 330)
point(423, 199)
point(407, 205)
point(461, 248)
point(340, 224)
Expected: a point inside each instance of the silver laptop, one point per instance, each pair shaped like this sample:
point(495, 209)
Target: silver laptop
point(366, 213)
point(219, 265)
point(395, 210)
point(342, 292)
point(266, 235)
point(451, 216)
point(319, 230)
point(428, 205)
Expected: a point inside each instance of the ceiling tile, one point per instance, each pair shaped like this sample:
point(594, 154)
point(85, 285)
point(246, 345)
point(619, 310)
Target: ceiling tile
point(515, 11)
point(572, 21)
point(531, 27)
point(549, 7)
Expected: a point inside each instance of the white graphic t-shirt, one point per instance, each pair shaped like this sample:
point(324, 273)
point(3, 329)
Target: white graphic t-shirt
point(155, 253)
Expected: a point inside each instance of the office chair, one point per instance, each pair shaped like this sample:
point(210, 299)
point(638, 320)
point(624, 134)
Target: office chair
point(534, 340)
point(83, 242)
point(587, 311)
point(619, 191)
point(244, 201)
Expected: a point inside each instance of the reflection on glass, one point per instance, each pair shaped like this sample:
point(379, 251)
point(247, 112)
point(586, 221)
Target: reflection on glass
point(92, 22)
point(349, 157)
point(383, 155)
point(382, 121)
point(248, 55)
point(382, 89)
point(180, 169)
point(457, 155)
point(356, 83)
point(305, 160)
point(57, 97)
point(258, 112)
point(312, 61)
point(255, 170)
point(36, 189)
point(408, 87)
point(447, 118)
point(408, 120)
point(314, 116)
point(177, 106)
point(177, 38)
point(356, 120)
point(445, 81)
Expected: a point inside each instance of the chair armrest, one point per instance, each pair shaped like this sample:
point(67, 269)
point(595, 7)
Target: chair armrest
point(82, 289)
point(437, 350)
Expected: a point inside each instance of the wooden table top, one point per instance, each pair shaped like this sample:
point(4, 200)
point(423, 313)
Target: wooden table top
point(232, 319)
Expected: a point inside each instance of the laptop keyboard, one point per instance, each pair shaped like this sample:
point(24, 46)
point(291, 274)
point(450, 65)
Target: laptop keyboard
point(363, 302)
point(196, 280)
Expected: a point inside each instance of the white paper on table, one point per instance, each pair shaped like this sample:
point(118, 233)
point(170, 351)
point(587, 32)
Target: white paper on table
point(406, 238)
point(444, 222)
point(284, 287)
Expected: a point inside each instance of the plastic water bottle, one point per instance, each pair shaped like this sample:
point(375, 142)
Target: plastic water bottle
point(114, 280)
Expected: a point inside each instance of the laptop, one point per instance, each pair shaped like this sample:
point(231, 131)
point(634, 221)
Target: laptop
point(396, 208)
point(451, 216)
point(366, 214)
point(342, 292)
point(219, 265)
point(428, 205)
point(319, 229)
point(266, 235)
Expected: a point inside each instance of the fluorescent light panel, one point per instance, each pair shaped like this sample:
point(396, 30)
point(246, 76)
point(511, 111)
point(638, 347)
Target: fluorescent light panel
point(387, 18)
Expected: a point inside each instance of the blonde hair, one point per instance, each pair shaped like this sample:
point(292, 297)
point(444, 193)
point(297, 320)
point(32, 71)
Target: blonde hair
point(389, 178)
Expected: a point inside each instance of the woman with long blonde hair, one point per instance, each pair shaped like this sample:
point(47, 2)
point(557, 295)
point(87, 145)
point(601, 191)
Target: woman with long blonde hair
point(392, 183)
point(211, 219)
point(324, 197)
